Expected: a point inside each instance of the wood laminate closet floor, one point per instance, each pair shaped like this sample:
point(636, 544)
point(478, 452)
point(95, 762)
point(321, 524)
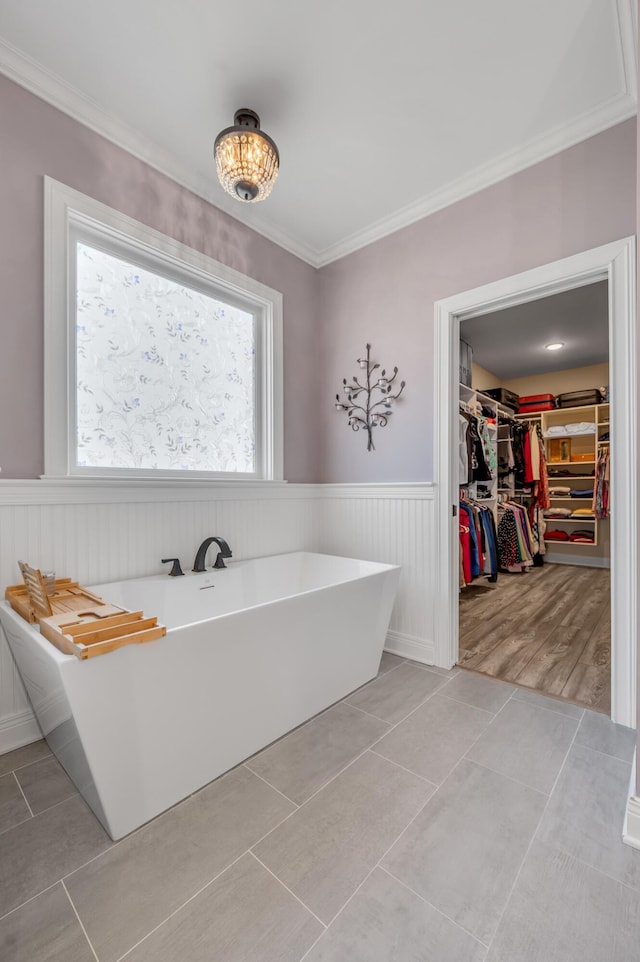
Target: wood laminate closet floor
point(548, 629)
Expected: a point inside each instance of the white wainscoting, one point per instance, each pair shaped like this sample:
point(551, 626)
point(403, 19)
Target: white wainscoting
point(393, 524)
point(104, 531)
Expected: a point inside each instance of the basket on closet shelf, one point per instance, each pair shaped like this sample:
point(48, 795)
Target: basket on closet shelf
point(587, 457)
point(559, 450)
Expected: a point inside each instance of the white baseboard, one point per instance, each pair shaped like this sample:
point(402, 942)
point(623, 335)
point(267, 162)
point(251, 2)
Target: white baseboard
point(631, 827)
point(18, 730)
point(563, 559)
point(408, 646)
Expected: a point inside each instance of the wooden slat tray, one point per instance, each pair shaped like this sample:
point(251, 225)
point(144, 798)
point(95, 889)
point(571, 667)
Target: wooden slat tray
point(75, 620)
point(96, 630)
point(69, 596)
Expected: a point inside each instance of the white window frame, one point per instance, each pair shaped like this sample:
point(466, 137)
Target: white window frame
point(71, 216)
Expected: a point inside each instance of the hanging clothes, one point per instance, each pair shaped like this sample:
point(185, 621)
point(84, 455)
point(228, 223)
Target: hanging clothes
point(463, 449)
point(479, 448)
point(538, 529)
point(600, 504)
point(465, 554)
point(491, 544)
point(468, 518)
point(515, 538)
point(478, 541)
point(488, 448)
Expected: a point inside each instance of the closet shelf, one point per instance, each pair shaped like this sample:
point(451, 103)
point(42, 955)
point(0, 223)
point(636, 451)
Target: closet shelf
point(572, 544)
point(570, 520)
point(567, 464)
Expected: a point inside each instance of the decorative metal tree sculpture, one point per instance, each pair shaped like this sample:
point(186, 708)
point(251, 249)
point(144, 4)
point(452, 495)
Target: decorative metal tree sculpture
point(370, 413)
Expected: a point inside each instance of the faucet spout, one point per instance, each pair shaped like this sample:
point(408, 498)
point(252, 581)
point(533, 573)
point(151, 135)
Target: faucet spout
point(201, 554)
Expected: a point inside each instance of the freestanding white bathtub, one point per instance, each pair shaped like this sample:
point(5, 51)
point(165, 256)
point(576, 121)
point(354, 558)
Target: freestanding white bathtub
point(250, 652)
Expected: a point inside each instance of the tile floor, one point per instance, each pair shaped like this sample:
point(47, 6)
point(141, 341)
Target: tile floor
point(429, 817)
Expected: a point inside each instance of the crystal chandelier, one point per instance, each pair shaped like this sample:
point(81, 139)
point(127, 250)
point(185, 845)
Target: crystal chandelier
point(247, 159)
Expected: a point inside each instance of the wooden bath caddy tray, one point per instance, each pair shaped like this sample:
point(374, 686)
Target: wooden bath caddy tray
point(96, 631)
point(75, 620)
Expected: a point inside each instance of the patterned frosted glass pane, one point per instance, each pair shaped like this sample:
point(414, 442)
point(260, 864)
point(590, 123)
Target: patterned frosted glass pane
point(165, 374)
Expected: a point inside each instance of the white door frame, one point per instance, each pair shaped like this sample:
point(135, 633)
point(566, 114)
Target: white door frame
point(615, 262)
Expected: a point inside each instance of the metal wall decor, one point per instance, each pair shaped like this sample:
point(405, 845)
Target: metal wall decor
point(369, 413)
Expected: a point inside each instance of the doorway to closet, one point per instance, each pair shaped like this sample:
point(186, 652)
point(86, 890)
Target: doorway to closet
point(615, 263)
point(534, 423)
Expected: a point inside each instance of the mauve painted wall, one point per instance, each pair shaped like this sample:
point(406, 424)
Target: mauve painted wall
point(38, 139)
point(385, 293)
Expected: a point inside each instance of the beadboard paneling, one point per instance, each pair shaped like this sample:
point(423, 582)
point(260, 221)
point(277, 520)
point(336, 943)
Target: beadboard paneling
point(105, 532)
point(392, 524)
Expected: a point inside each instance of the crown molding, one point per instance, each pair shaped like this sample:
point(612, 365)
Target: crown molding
point(612, 112)
point(510, 163)
point(51, 88)
point(55, 91)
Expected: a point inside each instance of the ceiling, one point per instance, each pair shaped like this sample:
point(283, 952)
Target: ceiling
point(380, 118)
point(511, 343)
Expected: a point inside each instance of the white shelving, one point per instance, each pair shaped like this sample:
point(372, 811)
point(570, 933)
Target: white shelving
point(580, 446)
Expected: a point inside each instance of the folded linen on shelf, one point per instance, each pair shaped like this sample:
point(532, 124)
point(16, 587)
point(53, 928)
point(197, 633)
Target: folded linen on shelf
point(556, 535)
point(586, 513)
point(559, 491)
point(557, 512)
point(581, 493)
point(564, 430)
point(582, 537)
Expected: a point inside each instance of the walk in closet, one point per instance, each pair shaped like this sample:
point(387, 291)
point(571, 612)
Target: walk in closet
point(534, 510)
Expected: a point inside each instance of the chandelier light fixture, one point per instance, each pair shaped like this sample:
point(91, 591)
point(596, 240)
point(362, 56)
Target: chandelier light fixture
point(247, 160)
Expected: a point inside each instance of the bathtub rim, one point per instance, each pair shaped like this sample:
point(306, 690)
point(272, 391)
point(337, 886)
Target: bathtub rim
point(377, 567)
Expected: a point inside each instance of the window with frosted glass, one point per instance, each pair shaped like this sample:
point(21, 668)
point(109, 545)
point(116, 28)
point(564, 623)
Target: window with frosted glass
point(165, 374)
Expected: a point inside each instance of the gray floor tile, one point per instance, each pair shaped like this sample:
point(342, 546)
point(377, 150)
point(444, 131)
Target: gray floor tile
point(434, 738)
point(551, 704)
point(44, 930)
point(13, 808)
point(479, 691)
point(463, 851)
point(389, 661)
point(41, 850)
point(244, 916)
point(561, 909)
point(131, 889)
point(526, 743)
point(23, 756)
point(384, 922)
point(45, 784)
point(306, 759)
point(597, 731)
point(586, 812)
point(326, 849)
point(392, 696)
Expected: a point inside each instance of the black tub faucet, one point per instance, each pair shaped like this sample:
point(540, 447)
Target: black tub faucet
point(201, 554)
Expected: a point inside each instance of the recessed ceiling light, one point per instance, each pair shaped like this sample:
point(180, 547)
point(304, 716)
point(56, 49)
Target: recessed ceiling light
point(555, 346)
